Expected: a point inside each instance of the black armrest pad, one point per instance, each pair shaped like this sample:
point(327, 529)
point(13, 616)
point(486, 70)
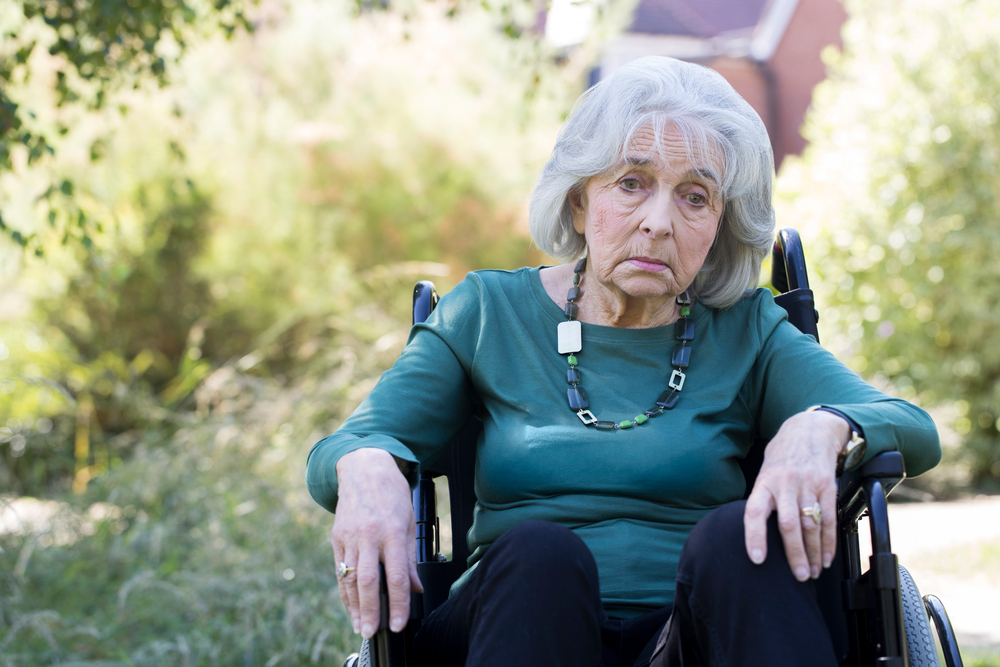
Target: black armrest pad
point(887, 467)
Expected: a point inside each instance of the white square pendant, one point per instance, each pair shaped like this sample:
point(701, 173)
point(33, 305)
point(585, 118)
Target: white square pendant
point(570, 337)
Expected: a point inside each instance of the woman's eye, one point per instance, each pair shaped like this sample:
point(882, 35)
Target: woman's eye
point(630, 183)
point(696, 199)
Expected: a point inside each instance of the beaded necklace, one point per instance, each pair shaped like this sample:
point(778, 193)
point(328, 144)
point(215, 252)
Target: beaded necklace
point(571, 341)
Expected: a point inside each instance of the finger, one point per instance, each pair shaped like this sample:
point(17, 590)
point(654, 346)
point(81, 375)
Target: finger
point(338, 557)
point(416, 585)
point(397, 576)
point(368, 581)
point(811, 536)
point(349, 589)
point(828, 501)
point(759, 506)
point(790, 525)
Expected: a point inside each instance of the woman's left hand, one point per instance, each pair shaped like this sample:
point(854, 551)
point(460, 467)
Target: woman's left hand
point(799, 470)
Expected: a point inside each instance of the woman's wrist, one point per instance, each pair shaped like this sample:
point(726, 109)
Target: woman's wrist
point(852, 449)
point(839, 429)
point(368, 458)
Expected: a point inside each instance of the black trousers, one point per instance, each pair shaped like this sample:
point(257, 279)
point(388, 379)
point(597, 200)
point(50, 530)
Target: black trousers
point(534, 599)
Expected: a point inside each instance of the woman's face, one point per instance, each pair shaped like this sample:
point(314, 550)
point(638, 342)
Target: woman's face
point(651, 220)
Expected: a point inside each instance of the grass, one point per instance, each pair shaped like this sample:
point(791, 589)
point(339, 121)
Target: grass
point(982, 558)
point(980, 658)
point(201, 550)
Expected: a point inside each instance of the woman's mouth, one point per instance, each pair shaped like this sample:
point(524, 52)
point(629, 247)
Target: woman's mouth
point(648, 264)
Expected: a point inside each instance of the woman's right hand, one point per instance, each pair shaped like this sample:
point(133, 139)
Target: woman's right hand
point(374, 523)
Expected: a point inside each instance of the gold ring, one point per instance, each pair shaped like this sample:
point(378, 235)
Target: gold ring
point(343, 570)
point(815, 513)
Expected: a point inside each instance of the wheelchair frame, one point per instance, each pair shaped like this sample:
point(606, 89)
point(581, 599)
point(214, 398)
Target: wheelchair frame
point(872, 600)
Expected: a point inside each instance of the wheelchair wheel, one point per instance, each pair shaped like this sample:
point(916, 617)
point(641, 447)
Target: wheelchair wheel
point(363, 659)
point(919, 640)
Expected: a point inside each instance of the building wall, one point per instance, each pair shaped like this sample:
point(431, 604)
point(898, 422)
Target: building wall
point(747, 78)
point(798, 67)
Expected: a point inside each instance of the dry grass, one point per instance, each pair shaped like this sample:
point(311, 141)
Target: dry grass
point(203, 549)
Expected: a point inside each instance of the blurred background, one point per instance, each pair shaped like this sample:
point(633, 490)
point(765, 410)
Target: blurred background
point(212, 213)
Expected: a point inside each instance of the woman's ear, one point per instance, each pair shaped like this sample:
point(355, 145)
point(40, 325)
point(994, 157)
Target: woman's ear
point(578, 207)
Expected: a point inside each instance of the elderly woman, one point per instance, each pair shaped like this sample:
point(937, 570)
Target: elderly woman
point(618, 393)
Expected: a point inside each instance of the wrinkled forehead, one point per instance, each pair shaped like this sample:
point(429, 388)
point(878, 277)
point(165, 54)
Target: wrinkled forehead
point(687, 145)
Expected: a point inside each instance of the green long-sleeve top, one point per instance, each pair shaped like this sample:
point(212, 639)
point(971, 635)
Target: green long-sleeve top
point(490, 349)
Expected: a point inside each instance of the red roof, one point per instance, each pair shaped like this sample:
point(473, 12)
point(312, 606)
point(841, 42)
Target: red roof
point(696, 18)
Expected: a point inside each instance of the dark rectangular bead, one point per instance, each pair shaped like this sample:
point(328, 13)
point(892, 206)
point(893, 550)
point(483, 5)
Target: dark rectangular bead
point(572, 375)
point(684, 328)
point(654, 413)
point(573, 294)
point(570, 310)
point(577, 398)
point(668, 399)
point(682, 356)
point(605, 426)
point(580, 266)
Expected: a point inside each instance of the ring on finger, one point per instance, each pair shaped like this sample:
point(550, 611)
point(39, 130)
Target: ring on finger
point(343, 569)
point(814, 512)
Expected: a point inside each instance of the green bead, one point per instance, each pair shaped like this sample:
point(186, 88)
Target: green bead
point(572, 360)
point(685, 311)
point(641, 419)
point(626, 424)
point(576, 279)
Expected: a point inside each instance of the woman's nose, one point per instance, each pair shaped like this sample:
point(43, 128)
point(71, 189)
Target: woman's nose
point(659, 215)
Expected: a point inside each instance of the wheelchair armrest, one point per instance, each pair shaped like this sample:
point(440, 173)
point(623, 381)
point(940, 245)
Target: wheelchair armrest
point(888, 468)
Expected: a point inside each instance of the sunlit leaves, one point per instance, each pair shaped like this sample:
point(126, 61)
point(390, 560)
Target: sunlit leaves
point(900, 195)
point(98, 45)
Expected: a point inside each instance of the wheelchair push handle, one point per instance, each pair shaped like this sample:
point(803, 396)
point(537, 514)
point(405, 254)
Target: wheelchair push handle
point(788, 262)
point(425, 298)
point(388, 648)
point(788, 276)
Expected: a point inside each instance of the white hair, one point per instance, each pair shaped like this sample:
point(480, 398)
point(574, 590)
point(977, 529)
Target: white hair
point(711, 117)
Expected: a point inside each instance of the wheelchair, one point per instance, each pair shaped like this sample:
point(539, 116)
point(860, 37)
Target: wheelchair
point(888, 622)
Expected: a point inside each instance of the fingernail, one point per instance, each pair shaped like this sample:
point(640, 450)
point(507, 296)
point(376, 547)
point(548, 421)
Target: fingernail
point(827, 560)
point(757, 556)
point(396, 624)
point(367, 631)
point(357, 626)
point(802, 574)
point(814, 570)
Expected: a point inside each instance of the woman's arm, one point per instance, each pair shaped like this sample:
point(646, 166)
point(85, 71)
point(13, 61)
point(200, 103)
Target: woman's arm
point(361, 472)
point(374, 523)
point(798, 471)
point(792, 374)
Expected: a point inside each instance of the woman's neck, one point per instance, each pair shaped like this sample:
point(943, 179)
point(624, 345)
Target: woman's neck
point(606, 306)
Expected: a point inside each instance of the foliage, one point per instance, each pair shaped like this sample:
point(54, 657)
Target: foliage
point(248, 230)
point(899, 188)
point(272, 193)
point(206, 552)
point(95, 47)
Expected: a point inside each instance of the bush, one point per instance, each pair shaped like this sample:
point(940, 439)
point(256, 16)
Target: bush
point(899, 191)
point(251, 209)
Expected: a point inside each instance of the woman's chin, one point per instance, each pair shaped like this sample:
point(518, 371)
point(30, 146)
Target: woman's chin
point(649, 286)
